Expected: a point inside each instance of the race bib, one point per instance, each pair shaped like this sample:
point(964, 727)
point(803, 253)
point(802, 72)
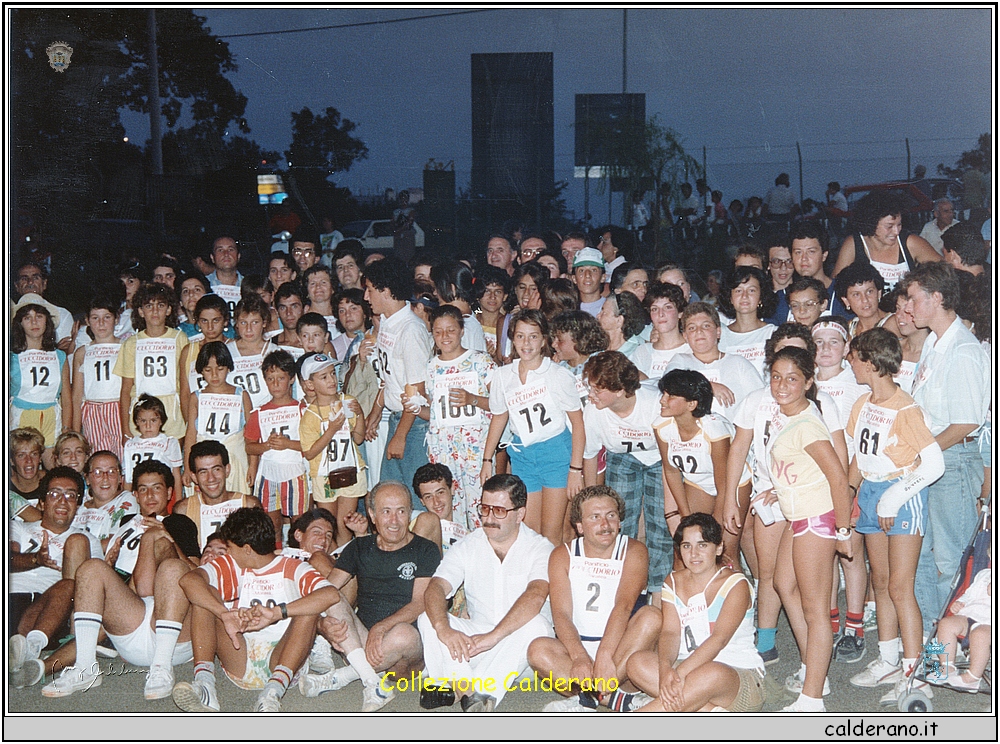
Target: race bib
point(231, 293)
point(156, 366)
point(40, 376)
point(99, 383)
point(247, 375)
point(447, 413)
point(531, 409)
point(219, 415)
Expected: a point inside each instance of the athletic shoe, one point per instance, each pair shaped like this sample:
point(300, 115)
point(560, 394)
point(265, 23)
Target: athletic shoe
point(477, 702)
point(159, 682)
point(268, 702)
point(878, 672)
point(375, 698)
point(770, 656)
point(36, 641)
point(321, 657)
point(313, 685)
point(106, 650)
point(793, 684)
point(567, 705)
point(796, 708)
point(958, 683)
point(195, 697)
point(71, 680)
point(17, 652)
point(900, 689)
point(850, 649)
point(30, 674)
point(639, 699)
point(433, 699)
point(870, 621)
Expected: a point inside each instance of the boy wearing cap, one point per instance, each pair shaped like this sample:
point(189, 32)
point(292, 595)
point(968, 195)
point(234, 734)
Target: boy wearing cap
point(330, 431)
point(588, 275)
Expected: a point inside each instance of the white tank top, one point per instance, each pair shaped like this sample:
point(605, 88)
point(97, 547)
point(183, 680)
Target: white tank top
point(247, 373)
point(41, 377)
point(594, 586)
point(100, 384)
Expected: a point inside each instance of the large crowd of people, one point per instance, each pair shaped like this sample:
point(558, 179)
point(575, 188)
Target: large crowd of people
point(549, 461)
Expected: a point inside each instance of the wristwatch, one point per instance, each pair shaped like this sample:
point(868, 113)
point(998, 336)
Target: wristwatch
point(844, 534)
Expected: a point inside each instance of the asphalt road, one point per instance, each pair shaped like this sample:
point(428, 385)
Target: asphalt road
point(121, 691)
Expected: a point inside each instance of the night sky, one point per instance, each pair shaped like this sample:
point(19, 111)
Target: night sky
point(848, 84)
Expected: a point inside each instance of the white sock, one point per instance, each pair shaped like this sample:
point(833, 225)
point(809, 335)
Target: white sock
point(889, 651)
point(86, 627)
point(908, 665)
point(808, 704)
point(167, 632)
point(359, 662)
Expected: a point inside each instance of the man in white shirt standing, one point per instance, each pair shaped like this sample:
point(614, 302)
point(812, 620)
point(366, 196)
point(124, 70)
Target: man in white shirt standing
point(952, 385)
point(402, 350)
point(226, 279)
point(504, 568)
point(944, 218)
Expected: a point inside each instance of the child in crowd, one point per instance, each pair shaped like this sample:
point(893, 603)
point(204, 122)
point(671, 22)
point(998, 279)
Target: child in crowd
point(250, 348)
point(40, 394)
point(149, 417)
point(96, 389)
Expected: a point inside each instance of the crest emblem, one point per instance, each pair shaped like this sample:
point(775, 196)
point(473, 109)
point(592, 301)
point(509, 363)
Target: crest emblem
point(59, 55)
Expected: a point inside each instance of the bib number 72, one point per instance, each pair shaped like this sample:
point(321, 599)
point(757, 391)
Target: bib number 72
point(542, 419)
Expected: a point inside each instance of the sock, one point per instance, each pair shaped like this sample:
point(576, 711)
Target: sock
point(167, 632)
point(37, 640)
point(765, 639)
point(621, 701)
point(808, 704)
point(908, 665)
point(86, 626)
point(889, 652)
point(870, 607)
point(281, 677)
point(855, 624)
point(359, 662)
point(835, 620)
point(204, 671)
point(588, 700)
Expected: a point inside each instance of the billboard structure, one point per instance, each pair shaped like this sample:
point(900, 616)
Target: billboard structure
point(512, 130)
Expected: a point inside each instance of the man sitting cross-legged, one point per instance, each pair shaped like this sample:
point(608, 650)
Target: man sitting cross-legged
point(44, 558)
point(594, 585)
point(257, 610)
point(393, 568)
point(144, 618)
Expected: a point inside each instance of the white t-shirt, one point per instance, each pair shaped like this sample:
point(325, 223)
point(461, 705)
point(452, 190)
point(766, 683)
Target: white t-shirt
point(402, 350)
point(161, 447)
point(538, 407)
point(750, 345)
point(693, 458)
point(732, 370)
point(653, 362)
point(845, 391)
point(102, 521)
point(632, 434)
point(28, 537)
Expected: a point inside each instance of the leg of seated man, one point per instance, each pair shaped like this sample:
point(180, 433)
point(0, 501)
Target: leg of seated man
point(340, 620)
point(170, 608)
point(101, 598)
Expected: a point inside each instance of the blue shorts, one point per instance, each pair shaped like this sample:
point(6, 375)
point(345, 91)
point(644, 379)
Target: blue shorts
point(543, 464)
point(911, 519)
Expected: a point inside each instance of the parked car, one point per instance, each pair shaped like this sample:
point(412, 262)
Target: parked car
point(918, 197)
point(376, 235)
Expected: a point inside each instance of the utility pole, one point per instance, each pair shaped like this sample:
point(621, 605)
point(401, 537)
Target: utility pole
point(155, 132)
point(624, 51)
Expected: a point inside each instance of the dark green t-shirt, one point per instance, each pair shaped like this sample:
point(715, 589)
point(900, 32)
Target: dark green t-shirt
point(385, 578)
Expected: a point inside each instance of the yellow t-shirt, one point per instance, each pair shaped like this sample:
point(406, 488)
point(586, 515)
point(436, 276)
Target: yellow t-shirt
point(802, 488)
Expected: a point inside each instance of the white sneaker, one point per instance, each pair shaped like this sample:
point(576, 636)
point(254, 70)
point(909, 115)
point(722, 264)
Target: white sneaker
point(793, 684)
point(312, 685)
point(195, 697)
point(640, 699)
point(321, 656)
point(900, 689)
point(17, 652)
point(36, 641)
point(567, 705)
point(30, 674)
point(159, 682)
point(375, 698)
point(797, 707)
point(71, 680)
point(878, 672)
point(268, 702)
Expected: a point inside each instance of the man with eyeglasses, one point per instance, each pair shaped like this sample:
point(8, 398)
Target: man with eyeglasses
point(106, 504)
point(779, 266)
point(531, 247)
point(504, 568)
point(44, 558)
point(226, 279)
point(304, 247)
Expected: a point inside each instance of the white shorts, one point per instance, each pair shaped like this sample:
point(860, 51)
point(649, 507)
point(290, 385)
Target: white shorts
point(138, 646)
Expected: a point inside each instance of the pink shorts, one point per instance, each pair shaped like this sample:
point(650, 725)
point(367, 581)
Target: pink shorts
point(825, 525)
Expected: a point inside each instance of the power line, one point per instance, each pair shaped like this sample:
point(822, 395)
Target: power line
point(355, 25)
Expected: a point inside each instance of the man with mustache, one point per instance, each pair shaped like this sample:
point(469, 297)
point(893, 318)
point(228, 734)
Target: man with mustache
point(593, 587)
point(503, 566)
